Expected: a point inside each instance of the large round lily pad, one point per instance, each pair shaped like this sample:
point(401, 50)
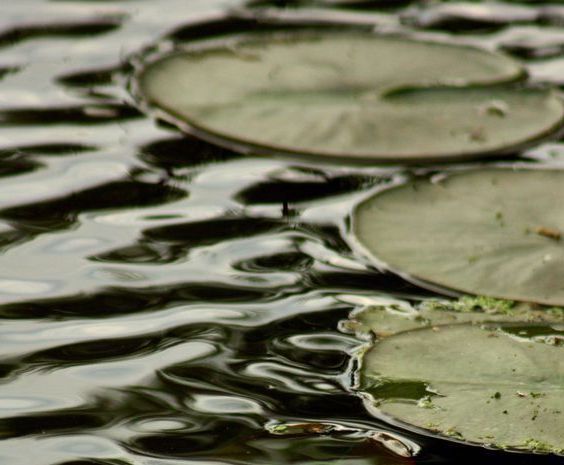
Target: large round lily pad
point(350, 95)
point(489, 379)
point(493, 232)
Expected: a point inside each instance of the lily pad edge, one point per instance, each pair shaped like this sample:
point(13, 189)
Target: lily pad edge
point(371, 259)
point(482, 305)
point(250, 148)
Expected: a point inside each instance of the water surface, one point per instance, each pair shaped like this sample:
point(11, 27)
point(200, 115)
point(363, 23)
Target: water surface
point(163, 301)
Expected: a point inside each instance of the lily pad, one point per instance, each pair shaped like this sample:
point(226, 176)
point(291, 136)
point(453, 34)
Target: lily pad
point(493, 232)
point(494, 379)
point(351, 95)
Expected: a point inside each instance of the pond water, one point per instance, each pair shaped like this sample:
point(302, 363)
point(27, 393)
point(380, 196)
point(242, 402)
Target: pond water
point(164, 301)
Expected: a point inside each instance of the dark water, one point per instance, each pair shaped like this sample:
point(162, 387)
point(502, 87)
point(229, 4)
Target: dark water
point(164, 301)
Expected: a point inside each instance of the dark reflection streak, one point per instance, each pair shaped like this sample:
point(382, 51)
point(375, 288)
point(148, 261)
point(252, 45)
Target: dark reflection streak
point(183, 151)
point(71, 115)
point(70, 30)
point(50, 423)
point(172, 243)
point(103, 350)
point(56, 149)
point(96, 462)
point(351, 4)
point(17, 163)
point(141, 252)
point(534, 53)
point(201, 444)
point(234, 25)
point(362, 281)
point(211, 231)
point(91, 78)
point(122, 301)
point(280, 191)
point(288, 261)
point(13, 237)
point(6, 70)
point(62, 212)
point(96, 351)
point(98, 411)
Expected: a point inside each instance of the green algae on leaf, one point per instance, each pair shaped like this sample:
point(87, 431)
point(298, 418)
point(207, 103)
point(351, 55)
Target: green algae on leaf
point(464, 375)
point(355, 96)
point(388, 319)
point(493, 232)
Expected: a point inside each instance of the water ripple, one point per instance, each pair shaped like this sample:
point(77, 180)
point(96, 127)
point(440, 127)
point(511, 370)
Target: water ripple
point(166, 301)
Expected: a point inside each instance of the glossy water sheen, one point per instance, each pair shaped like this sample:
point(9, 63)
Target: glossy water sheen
point(165, 301)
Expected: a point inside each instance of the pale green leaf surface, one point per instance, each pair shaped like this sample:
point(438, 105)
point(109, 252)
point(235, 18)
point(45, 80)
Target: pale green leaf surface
point(493, 232)
point(476, 382)
point(339, 95)
point(387, 320)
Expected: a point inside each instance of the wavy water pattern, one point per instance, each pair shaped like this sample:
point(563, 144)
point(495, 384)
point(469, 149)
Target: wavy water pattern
point(165, 301)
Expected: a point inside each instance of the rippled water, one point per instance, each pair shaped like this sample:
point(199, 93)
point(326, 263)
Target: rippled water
point(164, 301)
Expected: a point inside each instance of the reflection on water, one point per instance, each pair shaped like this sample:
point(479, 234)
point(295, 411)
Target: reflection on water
point(165, 301)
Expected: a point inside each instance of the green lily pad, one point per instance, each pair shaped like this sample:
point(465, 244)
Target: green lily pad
point(488, 378)
point(493, 232)
point(355, 96)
